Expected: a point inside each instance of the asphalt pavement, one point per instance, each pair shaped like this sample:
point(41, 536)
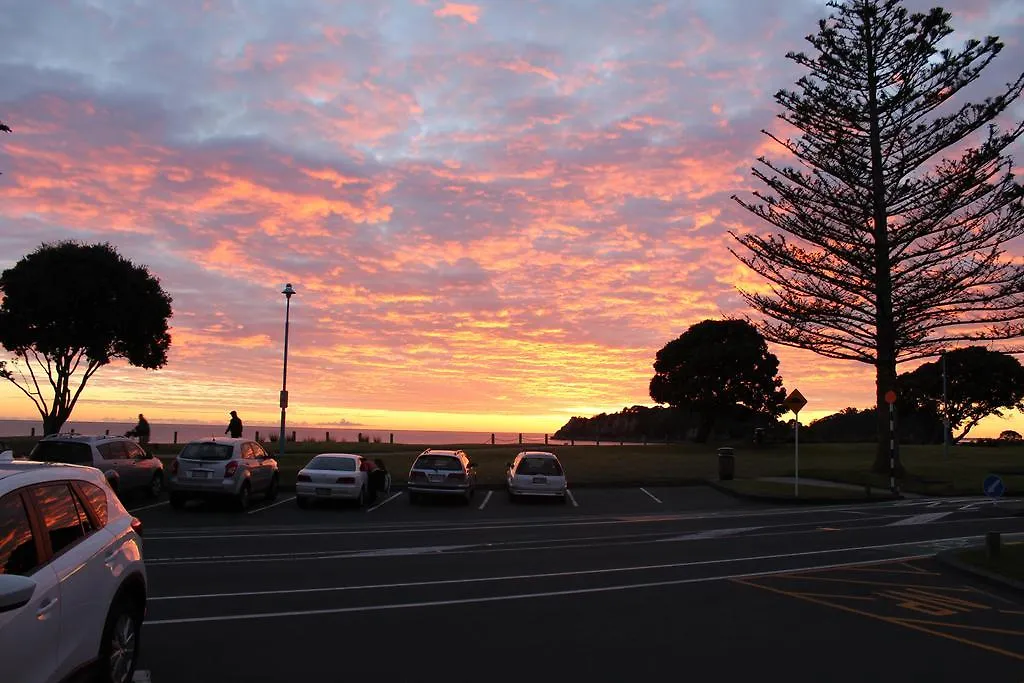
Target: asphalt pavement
point(615, 585)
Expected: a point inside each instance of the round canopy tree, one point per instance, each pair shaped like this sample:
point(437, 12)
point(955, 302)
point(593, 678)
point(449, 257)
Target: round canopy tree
point(69, 309)
point(715, 365)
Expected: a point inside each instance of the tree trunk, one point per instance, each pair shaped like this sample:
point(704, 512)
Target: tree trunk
point(885, 379)
point(704, 425)
point(52, 424)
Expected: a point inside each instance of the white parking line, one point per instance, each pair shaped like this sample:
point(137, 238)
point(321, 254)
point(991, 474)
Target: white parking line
point(486, 498)
point(384, 502)
point(267, 507)
point(572, 498)
point(146, 507)
point(521, 596)
point(654, 497)
point(920, 519)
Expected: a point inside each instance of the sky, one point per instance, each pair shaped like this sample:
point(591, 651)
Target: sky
point(494, 213)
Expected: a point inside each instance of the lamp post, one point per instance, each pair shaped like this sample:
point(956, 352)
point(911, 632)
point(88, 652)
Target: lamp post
point(945, 410)
point(288, 292)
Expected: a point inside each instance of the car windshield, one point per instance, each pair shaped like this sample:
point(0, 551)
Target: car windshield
point(335, 464)
point(207, 451)
point(438, 462)
point(68, 452)
point(547, 466)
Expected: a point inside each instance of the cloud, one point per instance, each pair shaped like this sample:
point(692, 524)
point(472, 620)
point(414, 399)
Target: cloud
point(468, 13)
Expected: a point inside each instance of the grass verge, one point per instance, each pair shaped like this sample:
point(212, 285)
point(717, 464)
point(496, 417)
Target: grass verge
point(1009, 563)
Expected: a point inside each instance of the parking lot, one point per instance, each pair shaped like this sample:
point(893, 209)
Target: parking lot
point(487, 504)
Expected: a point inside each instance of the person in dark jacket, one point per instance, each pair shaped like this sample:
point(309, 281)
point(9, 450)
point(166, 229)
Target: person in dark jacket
point(234, 426)
point(141, 430)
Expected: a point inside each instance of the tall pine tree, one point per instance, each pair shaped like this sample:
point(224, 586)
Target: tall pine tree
point(893, 224)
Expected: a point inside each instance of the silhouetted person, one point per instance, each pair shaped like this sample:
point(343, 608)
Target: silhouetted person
point(140, 430)
point(234, 426)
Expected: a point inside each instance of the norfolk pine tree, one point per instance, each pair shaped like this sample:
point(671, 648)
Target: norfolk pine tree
point(898, 251)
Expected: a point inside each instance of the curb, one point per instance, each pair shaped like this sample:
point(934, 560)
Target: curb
point(949, 559)
point(783, 500)
point(679, 483)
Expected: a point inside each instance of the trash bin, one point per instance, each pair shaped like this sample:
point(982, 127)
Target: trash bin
point(726, 464)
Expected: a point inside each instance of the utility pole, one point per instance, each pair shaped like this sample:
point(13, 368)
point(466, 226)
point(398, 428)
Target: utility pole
point(945, 410)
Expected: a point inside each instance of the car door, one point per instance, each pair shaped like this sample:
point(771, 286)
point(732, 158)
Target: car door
point(263, 463)
point(76, 548)
point(30, 634)
point(139, 465)
point(112, 459)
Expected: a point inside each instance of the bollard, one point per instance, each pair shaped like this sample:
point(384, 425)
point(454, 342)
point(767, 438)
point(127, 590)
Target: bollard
point(992, 544)
point(622, 443)
point(106, 432)
point(33, 431)
point(328, 437)
point(598, 442)
point(492, 439)
point(293, 437)
point(392, 440)
point(257, 436)
point(175, 437)
point(520, 438)
point(572, 442)
point(545, 439)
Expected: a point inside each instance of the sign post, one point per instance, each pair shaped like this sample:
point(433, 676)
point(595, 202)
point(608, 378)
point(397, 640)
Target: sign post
point(794, 402)
point(994, 488)
point(890, 398)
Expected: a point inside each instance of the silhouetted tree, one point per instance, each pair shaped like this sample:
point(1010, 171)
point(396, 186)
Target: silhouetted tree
point(69, 307)
point(979, 383)
point(896, 253)
point(1010, 435)
point(715, 365)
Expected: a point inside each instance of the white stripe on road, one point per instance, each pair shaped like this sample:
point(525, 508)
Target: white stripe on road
point(525, 596)
point(486, 498)
point(384, 502)
point(712, 533)
point(654, 497)
point(572, 498)
point(267, 507)
point(920, 519)
point(146, 507)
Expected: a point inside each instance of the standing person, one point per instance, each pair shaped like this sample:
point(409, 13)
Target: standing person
point(234, 426)
point(141, 430)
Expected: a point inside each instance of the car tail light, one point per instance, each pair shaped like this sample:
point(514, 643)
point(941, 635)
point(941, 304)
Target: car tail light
point(346, 480)
point(174, 466)
point(303, 477)
point(137, 525)
point(230, 469)
point(457, 476)
point(417, 476)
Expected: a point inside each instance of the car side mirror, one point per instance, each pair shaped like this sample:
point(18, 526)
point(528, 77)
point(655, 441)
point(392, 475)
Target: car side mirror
point(15, 591)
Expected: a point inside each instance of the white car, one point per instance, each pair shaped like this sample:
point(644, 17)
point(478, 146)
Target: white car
point(72, 578)
point(535, 473)
point(340, 476)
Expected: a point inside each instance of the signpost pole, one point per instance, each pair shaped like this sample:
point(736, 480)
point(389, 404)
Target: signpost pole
point(796, 455)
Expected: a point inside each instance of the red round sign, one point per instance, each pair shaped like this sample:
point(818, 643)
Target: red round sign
point(890, 397)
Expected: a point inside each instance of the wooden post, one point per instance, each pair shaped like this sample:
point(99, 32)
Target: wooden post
point(392, 440)
point(293, 437)
point(545, 439)
point(520, 438)
point(33, 431)
point(328, 437)
point(572, 442)
point(106, 432)
point(492, 439)
point(622, 443)
point(175, 437)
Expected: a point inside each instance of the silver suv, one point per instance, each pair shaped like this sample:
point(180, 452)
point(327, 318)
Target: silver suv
point(126, 465)
point(442, 472)
point(223, 468)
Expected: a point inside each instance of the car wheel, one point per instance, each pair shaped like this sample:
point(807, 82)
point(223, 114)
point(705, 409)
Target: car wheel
point(272, 491)
point(156, 485)
point(242, 501)
point(119, 647)
point(302, 502)
point(178, 501)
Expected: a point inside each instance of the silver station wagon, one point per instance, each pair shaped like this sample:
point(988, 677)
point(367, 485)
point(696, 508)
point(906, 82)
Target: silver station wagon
point(536, 473)
point(223, 468)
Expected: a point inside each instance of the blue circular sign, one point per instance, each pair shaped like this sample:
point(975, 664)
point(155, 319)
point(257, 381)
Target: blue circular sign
point(994, 487)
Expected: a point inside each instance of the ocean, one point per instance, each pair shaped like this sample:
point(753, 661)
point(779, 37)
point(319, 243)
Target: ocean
point(183, 433)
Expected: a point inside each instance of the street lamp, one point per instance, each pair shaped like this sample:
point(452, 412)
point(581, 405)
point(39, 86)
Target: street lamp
point(288, 292)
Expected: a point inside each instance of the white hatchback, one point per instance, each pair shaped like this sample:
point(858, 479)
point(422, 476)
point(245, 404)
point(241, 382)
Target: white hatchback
point(535, 473)
point(72, 578)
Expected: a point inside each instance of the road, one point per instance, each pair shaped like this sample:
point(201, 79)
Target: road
point(617, 585)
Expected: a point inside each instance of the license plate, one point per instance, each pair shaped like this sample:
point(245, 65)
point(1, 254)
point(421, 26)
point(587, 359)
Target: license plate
point(435, 477)
point(323, 492)
point(199, 475)
point(540, 480)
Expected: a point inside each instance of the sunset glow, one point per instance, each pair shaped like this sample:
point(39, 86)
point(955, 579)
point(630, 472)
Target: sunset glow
point(494, 213)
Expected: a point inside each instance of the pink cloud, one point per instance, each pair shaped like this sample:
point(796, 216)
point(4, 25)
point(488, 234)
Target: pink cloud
point(468, 13)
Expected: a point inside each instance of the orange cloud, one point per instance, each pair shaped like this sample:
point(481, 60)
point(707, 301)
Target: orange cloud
point(468, 13)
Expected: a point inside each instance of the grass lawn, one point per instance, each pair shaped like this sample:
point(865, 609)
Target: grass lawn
point(960, 473)
point(1010, 562)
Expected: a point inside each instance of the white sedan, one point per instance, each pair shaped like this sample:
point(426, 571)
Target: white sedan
point(338, 476)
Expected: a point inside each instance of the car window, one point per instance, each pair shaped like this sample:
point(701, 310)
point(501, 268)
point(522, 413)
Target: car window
point(135, 451)
point(67, 452)
point(17, 544)
point(258, 451)
point(247, 451)
point(96, 499)
point(61, 514)
point(324, 462)
point(545, 466)
point(438, 462)
point(207, 451)
point(113, 450)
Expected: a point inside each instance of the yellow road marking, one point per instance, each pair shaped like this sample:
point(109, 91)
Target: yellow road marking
point(866, 598)
point(987, 629)
point(861, 582)
point(888, 620)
